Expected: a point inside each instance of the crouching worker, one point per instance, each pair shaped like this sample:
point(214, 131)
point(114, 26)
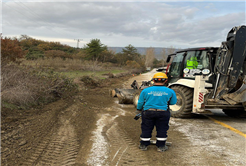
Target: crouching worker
point(153, 104)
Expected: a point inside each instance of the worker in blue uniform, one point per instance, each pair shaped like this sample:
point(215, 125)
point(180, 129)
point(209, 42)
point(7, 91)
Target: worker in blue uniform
point(154, 104)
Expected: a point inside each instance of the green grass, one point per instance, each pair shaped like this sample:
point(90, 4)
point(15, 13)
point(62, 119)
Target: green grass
point(98, 74)
point(10, 105)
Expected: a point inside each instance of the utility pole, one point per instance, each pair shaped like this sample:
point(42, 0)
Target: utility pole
point(78, 40)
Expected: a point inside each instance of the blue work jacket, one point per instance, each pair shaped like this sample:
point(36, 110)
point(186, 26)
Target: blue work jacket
point(157, 97)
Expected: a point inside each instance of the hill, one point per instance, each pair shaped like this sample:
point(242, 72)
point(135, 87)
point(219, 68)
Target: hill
point(142, 50)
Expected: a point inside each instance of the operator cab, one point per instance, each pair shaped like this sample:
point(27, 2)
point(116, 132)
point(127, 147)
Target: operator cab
point(186, 63)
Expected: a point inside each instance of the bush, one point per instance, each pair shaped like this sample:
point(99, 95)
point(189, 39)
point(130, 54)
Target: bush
point(11, 50)
point(89, 81)
point(56, 53)
point(132, 64)
point(27, 87)
point(30, 56)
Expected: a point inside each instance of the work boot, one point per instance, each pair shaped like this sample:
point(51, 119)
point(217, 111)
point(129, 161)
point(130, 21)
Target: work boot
point(143, 147)
point(162, 148)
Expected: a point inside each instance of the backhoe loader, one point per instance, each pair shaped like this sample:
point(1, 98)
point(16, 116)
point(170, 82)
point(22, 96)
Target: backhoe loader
point(210, 77)
point(205, 78)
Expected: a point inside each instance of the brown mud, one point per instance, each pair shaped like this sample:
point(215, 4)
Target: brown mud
point(92, 128)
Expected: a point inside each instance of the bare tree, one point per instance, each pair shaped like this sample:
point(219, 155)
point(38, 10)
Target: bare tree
point(164, 56)
point(166, 52)
point(171, 50)
point(150, 57)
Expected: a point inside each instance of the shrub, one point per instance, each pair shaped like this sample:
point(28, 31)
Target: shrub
point(132, 64)
point(30, 56)
point(89, 81)
point(11, 50)
point(56, 53)
point(27, 87)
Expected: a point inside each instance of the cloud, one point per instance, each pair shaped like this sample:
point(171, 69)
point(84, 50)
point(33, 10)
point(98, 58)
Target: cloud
point(122, 23)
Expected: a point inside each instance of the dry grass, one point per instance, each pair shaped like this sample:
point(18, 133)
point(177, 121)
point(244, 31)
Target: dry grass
point(25, 87)
point(67, 64)
point(34, 82)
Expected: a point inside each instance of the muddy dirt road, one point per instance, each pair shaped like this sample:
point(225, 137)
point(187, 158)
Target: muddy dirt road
point(93, 129)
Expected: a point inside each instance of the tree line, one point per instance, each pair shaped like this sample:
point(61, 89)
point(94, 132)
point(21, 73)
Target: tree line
point(15, 49)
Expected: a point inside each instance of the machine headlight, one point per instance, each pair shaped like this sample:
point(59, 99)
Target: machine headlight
point(205, 71)
point(186, 70)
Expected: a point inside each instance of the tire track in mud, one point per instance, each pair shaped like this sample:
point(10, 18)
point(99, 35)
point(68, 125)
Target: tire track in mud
point(60, 147)
point(19, 139)
point(122, 149)
point(111, 145)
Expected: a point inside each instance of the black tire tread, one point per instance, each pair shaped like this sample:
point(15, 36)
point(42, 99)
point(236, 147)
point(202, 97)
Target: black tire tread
point(188, 101)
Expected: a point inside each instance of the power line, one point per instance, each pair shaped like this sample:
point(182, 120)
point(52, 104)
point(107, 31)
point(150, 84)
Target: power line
point(29, 10)
point(22, 14)
point(26, 14)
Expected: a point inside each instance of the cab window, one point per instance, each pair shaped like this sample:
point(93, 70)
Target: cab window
point(175, 68)
point(196, 60)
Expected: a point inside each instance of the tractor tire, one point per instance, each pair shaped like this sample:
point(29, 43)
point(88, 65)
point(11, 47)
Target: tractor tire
point(183, 107)
point(235, 113)
point(136, 97)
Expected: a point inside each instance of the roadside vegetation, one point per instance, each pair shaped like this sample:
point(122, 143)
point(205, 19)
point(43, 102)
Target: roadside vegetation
point(36, 72)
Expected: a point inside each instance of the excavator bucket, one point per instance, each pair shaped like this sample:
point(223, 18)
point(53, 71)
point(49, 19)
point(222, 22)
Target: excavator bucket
point(230, 57)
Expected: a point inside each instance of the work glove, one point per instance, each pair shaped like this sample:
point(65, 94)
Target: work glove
point(138, 112)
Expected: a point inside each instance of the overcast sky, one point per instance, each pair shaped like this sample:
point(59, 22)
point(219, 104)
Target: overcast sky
point(141, 23)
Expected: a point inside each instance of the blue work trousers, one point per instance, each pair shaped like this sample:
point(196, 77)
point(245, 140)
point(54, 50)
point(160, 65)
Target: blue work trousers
point(159, 119)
